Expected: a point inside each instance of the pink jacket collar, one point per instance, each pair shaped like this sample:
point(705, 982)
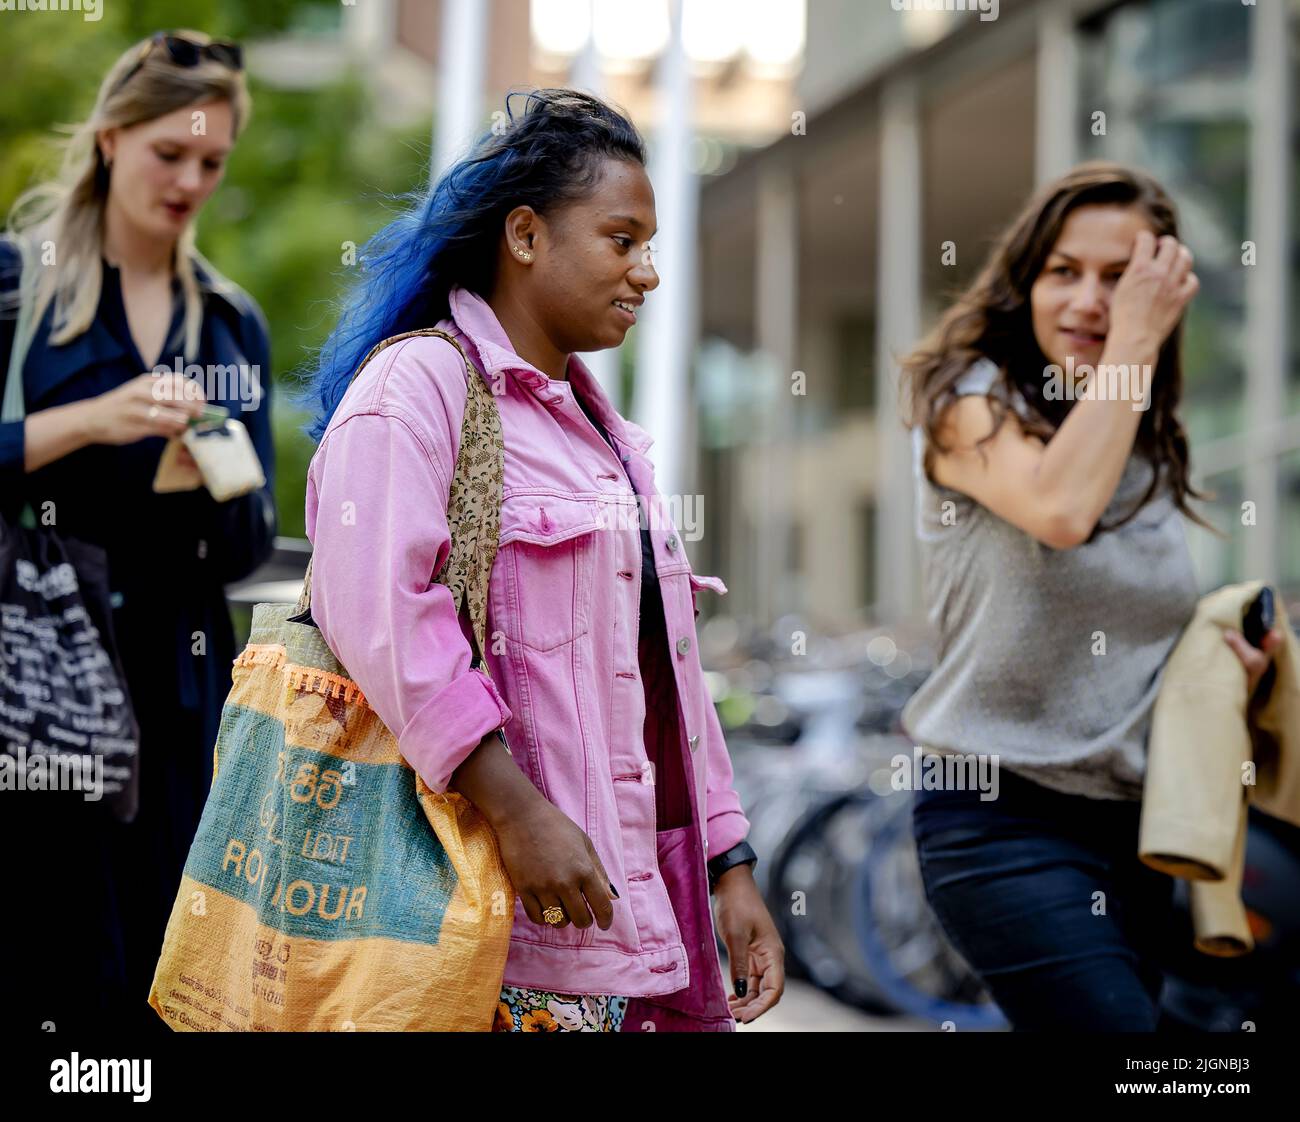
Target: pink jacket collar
point(476, 319)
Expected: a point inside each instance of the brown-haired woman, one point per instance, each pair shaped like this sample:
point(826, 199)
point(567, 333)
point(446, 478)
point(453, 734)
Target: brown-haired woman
point(1051, 468)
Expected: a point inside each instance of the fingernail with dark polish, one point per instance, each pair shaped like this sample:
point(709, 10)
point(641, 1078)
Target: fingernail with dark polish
point(614, 891)
point(742, 986)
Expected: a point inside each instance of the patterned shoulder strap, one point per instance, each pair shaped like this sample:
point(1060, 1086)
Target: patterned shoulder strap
point(474, 503)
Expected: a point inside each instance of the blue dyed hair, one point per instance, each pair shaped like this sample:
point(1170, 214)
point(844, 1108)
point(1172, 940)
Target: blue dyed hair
point(548, 157)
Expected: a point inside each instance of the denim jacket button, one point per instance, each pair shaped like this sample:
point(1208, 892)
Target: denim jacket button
point(671, 543)
point(683, 645)
point(694, 742)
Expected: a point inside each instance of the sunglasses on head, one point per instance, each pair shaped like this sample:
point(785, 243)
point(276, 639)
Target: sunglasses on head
point(187, 53)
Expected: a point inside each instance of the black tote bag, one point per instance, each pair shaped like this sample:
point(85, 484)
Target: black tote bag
point(67, 728)
point(65, 713)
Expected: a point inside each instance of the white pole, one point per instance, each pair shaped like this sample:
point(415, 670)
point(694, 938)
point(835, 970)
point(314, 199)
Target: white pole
point(1266, 281)
point(662, 401)
point(1057, 118)
point(898, 322)
point(776, 303)
point(588, 75)
point(370, 28)
point(461, 65)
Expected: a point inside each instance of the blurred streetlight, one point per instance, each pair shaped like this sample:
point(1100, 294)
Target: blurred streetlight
point(770, 32)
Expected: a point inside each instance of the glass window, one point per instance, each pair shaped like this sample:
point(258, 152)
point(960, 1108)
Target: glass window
point(867, 538)
point(1216, 557)
point(1293, 395)
point(1171, 77)
point(1173, 80)
point(855, 362)
point(1289, 569)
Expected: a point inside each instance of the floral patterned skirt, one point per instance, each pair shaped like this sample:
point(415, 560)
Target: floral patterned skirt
point(522, 1010)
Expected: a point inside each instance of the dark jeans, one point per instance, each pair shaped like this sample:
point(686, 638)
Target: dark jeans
point(1044, 896)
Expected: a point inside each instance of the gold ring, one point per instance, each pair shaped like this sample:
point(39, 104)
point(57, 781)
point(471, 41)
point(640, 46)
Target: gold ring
point(553, 914)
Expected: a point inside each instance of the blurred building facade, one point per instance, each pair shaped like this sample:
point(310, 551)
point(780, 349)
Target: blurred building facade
point(836, 148)
point(821, 259)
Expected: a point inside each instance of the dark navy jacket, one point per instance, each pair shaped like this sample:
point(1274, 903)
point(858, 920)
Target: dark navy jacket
point(169, 555)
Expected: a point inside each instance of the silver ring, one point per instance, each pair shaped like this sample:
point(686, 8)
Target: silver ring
point(154, 411)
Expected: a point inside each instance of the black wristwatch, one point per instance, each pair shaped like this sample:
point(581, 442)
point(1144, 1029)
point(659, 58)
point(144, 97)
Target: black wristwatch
point(740, 854)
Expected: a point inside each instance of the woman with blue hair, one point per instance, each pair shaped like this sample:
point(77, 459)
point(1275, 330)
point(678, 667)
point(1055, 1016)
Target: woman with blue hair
point(613, 805)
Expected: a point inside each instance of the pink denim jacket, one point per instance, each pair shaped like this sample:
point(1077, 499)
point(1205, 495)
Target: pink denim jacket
point(569, 678)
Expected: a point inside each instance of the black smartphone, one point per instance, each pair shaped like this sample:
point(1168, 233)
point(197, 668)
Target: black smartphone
point(1257, 620)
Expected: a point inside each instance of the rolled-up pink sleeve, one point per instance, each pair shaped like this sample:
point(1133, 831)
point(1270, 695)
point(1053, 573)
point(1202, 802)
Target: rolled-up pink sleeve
point(726, 825)
point(377, 518)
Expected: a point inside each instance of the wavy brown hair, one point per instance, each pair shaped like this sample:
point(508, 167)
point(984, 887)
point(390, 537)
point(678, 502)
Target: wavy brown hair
point(992, 319)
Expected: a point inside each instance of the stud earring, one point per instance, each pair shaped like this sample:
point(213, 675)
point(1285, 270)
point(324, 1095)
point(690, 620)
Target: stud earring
point(523, 253)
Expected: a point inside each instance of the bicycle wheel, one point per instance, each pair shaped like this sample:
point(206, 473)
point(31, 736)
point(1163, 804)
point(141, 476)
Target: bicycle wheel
point(911, 960)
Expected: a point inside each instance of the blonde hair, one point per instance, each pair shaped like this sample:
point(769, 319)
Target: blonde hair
point(69, 211)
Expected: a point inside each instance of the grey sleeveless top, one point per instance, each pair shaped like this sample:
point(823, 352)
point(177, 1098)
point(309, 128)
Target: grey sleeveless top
point(1022, 628)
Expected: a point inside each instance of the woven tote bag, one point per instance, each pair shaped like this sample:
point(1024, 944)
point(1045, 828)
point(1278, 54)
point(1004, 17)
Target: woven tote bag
point(328, 888)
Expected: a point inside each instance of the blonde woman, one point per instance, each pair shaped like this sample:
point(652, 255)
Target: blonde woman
point(115, 289)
